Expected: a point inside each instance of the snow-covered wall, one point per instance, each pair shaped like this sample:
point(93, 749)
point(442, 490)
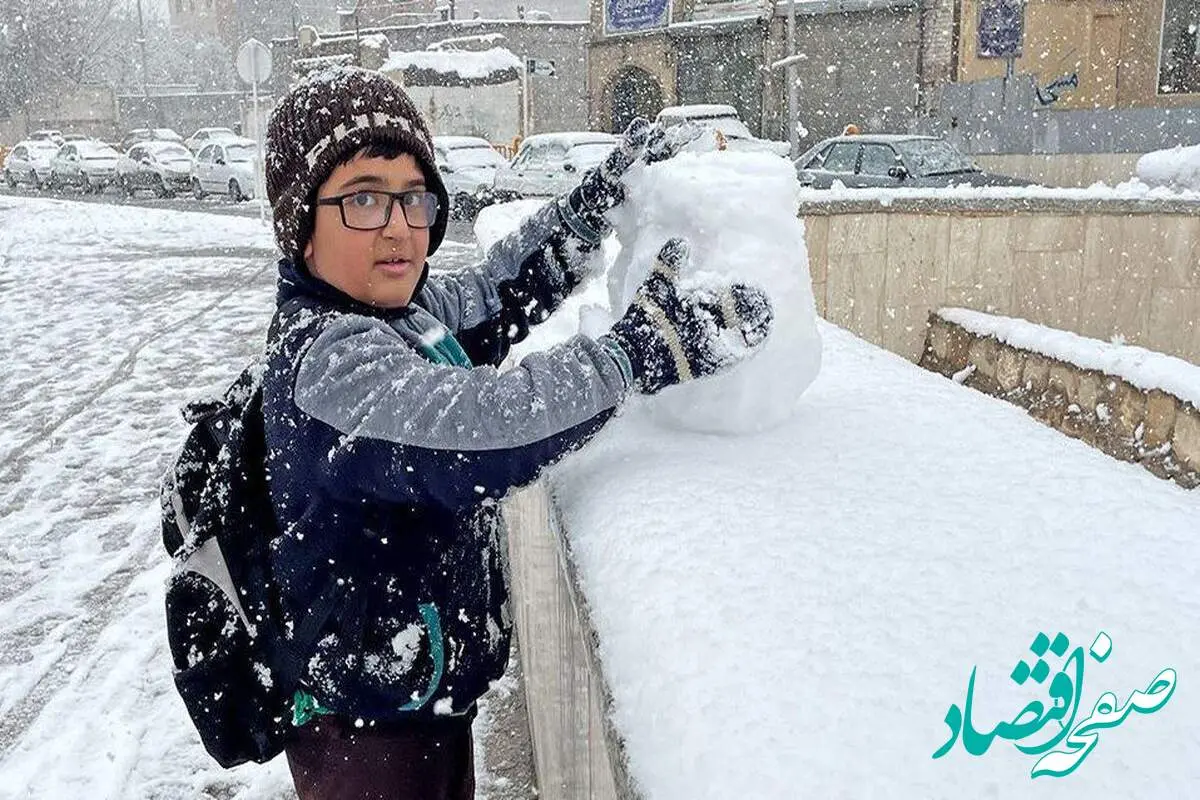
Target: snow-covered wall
point(1131, 403)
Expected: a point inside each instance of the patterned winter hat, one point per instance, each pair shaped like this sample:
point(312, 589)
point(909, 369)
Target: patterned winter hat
point(322, 120)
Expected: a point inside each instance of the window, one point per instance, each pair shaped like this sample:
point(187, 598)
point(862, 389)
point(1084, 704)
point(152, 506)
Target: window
point(135, 154)
point(19, 153)
point(817, 161)
point(877, 159)
point(205, 154)
point(218, 154)
point(1179, 51)
point(842, 156)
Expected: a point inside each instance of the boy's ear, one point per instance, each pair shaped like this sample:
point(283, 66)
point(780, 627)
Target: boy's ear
point(308, 248)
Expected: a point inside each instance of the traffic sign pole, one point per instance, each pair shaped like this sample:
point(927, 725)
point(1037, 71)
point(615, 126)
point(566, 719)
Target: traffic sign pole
point(254, 67)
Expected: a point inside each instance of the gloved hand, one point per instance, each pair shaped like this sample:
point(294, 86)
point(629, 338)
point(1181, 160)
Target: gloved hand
point(668, 336)
point(583, 208)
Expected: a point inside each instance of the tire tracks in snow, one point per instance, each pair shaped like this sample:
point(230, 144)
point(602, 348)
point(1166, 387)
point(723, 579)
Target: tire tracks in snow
point(101, 600)
point(17, 462)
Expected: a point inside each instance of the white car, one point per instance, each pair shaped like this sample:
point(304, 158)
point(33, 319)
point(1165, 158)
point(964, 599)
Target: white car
point(468, 166)
point(29, 162)
point(206, 136)
point(549, 164)
point(163, 168)
point(724, 120)
point(88, 165)
point(226, 167)
point(48, 135)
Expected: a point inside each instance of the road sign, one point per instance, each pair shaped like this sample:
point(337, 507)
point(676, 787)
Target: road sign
point(540, 66)
point(254, 61)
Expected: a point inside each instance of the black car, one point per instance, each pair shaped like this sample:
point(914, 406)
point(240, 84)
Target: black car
point(893, 161)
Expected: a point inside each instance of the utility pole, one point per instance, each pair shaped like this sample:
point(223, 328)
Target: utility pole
point(793, 100)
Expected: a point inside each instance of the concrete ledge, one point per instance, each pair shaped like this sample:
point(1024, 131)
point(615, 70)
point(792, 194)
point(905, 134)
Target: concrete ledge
point(1152, 428)
point(993, 201)
point(577, 753)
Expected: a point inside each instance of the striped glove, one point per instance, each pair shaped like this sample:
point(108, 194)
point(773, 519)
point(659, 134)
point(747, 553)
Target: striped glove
point(668, 336)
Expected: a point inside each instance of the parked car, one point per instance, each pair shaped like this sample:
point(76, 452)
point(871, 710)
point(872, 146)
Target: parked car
point(29, 162)
point(139, 135)
point(78, 137)
point(197, 141)
point(163, 168)
point(89, 165)
point(468, 165)
point(725, 121)
point(893, 161)
point(226, 167)
point(47, 135)
point(549, 164)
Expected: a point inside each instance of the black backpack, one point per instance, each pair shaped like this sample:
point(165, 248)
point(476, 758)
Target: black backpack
point(233, 669)
point(222, 613)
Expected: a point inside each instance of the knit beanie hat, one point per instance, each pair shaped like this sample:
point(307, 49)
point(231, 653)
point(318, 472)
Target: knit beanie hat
point(323, 120)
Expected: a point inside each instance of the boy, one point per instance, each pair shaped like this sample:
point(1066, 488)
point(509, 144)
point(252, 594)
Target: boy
point(391, 435)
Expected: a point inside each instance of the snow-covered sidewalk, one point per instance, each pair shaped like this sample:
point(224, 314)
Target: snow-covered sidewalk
point(110, 319)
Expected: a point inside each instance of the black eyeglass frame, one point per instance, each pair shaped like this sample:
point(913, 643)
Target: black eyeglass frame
point(393, 197)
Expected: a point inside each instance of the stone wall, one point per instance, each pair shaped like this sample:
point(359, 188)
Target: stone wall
point(1155, 429)
point(1064, 169)
point(1098, 268)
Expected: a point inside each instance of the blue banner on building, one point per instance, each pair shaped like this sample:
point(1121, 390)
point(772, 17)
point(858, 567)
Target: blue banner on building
point(1001, 28)
point(626, 16)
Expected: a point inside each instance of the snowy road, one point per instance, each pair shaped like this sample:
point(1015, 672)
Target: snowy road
point(110, 319)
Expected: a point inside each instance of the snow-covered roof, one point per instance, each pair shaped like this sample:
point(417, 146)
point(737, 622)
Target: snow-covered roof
point(493, 63)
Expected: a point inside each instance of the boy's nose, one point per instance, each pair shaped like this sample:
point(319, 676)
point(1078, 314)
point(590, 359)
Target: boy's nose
point(397, 227)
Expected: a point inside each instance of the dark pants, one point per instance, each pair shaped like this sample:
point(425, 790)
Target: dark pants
point(331, 759)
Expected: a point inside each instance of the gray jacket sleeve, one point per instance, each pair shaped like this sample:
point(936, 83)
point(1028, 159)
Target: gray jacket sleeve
point(525, 275)
point(413, 431)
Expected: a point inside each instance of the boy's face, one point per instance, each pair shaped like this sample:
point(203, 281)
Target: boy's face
point(379, 267)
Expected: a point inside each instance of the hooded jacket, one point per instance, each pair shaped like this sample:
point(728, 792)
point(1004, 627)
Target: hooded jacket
point(388, 453)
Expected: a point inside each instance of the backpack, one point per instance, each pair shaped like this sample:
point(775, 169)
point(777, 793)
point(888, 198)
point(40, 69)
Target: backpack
point(234, 670)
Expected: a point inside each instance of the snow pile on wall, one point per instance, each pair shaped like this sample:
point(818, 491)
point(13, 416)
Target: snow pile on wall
point(1145, 369)
point(1178, 167)
point(737, 211)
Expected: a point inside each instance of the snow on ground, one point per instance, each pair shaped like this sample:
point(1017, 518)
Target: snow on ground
point(110, 319)
point(1143, 368)
point(1178, 167)
point(793, 614)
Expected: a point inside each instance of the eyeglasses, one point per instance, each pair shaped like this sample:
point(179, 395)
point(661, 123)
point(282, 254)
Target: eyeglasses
point(368, 211)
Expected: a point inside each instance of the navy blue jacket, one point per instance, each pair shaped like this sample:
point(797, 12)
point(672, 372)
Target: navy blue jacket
point(386, 469)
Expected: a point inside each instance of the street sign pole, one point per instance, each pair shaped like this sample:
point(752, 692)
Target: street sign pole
point(254, 67)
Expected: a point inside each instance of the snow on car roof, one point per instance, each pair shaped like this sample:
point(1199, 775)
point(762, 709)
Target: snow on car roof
point(455, 142)
point(44, 144)
point(571, 138)
point(883, 137)
point(699, 111)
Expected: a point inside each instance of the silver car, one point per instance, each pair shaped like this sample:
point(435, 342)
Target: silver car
point(29, 162)
point(468, 167)
point(90, 166)
point(865, 160)
point(549, 164)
